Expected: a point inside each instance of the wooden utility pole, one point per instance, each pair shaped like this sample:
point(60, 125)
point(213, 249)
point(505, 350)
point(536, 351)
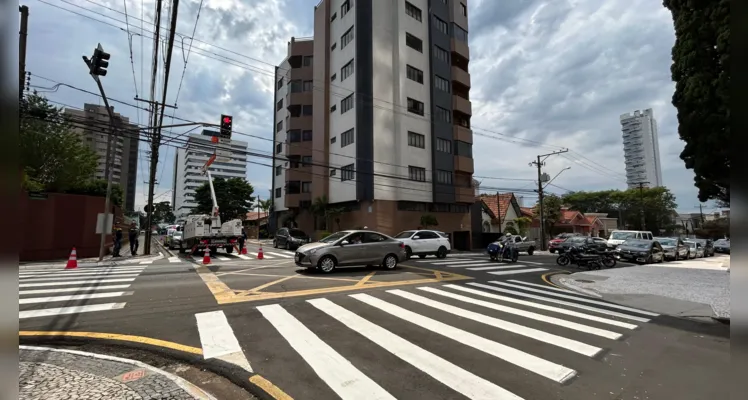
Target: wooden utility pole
point(641, 205)
point(539, 163)
point(23, 33)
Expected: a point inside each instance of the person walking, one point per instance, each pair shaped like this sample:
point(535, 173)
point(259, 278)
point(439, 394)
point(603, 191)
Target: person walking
point(242, 239)
point(133, 236)
point(117, 242)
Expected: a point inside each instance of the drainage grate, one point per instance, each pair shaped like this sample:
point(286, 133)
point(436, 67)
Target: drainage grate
point(583, 281)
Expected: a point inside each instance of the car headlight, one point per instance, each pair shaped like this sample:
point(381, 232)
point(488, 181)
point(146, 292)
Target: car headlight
point(313, 251)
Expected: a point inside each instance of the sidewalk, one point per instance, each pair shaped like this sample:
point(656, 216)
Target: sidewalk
point(57, 374)
point(126, 258)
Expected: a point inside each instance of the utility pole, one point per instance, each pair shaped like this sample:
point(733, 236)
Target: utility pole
point(539, 163)
point(23, 34)
point(701, 212)
point(641, 205)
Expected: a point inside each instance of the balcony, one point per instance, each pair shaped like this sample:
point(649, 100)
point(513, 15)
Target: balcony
point(298, 98)
point(293, 200)
point(461, 76)
point(464, 164)
point(299, 148)
point(460, 47)
point(302, 122)
point(463, 134)
point(462, 105)
point(299, 174)
point(464, 194)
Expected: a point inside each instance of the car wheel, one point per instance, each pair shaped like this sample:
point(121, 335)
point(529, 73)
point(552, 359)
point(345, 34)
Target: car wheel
point(390, 261)
point(442, 252)
point(287, 246)
point(275, 244)
point(530, 251)
point(551, 251)
point(327, 264)
point(408, 252)
point(229, 249)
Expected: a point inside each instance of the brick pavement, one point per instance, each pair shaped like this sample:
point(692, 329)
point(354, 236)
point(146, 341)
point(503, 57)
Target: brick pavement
point(56, 374)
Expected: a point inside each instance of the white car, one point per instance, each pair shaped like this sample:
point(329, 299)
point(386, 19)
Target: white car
point(425, 242)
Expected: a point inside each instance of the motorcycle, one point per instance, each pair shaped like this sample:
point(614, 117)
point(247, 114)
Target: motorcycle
point(499, 251)
point(576, 255)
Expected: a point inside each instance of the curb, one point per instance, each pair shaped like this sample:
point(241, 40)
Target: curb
point(190, 388)
point(566, 284)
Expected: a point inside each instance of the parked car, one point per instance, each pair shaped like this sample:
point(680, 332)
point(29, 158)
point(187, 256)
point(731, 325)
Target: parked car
point(592, 243)
point(674, 248)
point(555, 243)
point(707, 245)
point(522, 244)
point(423, 243)
point(641, 251)
point(175, 240)
point(722, 246)
point(695, 249)
point(617, 237)
point(350, 248)
point(290, 238)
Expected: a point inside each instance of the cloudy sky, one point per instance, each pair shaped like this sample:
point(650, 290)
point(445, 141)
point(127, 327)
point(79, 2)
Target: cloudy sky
point(545, 74)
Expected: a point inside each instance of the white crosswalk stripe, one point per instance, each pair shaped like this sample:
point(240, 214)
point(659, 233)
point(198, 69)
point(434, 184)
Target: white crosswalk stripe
point(87, 289)
point(561, 326)
point(490, 267)
point(281, 255)
point(518, 271)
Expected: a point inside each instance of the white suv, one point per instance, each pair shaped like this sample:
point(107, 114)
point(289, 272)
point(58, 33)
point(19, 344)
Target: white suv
point(425, 242)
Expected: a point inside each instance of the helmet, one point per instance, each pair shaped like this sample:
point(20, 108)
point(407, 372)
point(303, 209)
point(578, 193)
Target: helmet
point(508, 234)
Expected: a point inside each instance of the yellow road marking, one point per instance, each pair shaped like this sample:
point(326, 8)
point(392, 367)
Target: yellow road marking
point(269, 388)
point(116, 336)
point(365, 279)
point(258, 288)
point(546, 277)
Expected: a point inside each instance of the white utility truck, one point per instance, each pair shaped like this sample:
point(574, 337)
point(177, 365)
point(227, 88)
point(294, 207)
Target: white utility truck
point(201, 231)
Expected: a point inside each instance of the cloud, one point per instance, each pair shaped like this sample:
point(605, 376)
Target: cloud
point(546, 74)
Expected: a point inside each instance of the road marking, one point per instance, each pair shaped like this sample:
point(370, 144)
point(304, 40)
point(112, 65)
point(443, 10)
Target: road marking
point(48, 312)
point(74, 275)
point(115, 336)
point(280, 255)
point(521, 271)
point(450, 375)
point(532, 262)
point(545, 368)
point(337, 372)
point(539, 306)
point(577, 298)
point(492, 268)
point(456, 259)
point(274, 391)
point(218, 339)
point(222, 258)
point(74, 289)
point(243, 257)
point(174, 259)
point(515, 311)
point(36, 300)
point(547, 288)
point(545, 277)
point(80, 271)
point(67, 278)
point(453, 263)
point(480, 264)
point(566, 303)
point(263, 255)
point(146, 262)
point(84, 282)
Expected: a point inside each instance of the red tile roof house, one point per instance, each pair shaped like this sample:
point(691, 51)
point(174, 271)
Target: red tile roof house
point(498, 210)
point(571, 221)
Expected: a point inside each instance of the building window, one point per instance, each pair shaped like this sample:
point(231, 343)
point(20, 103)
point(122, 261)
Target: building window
point(347, 173)
point(307, 61)
point(459, 33)
point(414, 74)
point(332, 78)
point(443, 145)
point(415, 106)
point(279, 126)
point(307, 109)
point(293, 187)
point(441, 54)
point(345, 7)
point(278, 170)
point(278, 148)
point(346, 38)
point(442, 114)
point(416, 140)
point(294, 161)
point(306, 136)
point(441, 83)
point(334, 45)
point(295, 86)
point(464, 149)
point(333, 140)
point(294, 136)
point(306, 161)
point(346, 71)
point(463, 9)
point(333, 108)
point(417, 173)
point(308, 86)
point(414, 42)
point(346, 138)
point(413, 11)
point(279, 84)
point(277, 192)
point(306, 187)
point(440, 25)
point(279, 105)
point(444, 177)
point(346, 104)
point(334, 15)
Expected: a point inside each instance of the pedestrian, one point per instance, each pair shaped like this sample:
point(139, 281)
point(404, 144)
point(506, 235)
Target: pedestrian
point(133, 235)
point(117, 242)
point(242, 238)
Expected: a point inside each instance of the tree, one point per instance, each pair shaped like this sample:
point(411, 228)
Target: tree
point(97, 187)
point(510, 228)
point(53, 157)
point(716, 229)
point(264, 205)
point(659, 206)
point(162, 213)
point(428, 221)
point(523, 225)
point(234, 196)
point(323, 211)
point(701, 72)
point(551, 212)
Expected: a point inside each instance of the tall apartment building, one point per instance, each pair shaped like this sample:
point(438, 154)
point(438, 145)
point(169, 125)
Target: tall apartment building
point(92, 123)
point(641, 149)
point(390, 140)
point(189, 161)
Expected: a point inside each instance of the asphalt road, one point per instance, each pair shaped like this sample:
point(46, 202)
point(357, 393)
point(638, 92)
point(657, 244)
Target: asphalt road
point(432, 329)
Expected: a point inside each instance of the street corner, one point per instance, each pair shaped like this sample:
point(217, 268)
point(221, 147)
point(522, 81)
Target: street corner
point(236, 284)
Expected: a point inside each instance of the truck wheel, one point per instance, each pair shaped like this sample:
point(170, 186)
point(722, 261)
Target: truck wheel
point(213, 251)
point(228, 249)
point(530, 251)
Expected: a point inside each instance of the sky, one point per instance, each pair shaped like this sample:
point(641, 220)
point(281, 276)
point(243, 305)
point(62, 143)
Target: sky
point(545, 75)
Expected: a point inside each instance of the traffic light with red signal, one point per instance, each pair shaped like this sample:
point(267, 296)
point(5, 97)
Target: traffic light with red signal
point(226, 125)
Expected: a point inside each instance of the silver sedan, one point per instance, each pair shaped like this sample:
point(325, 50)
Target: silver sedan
point(351, 248)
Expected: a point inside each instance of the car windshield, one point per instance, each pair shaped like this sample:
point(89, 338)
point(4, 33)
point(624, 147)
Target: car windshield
point(722, 242)
point(667, 242)
point(622, 235)
point(404, 234)
point(702, 241)
point(641, 244)
point(297, 233)
point(564, 235)
point(335, 237)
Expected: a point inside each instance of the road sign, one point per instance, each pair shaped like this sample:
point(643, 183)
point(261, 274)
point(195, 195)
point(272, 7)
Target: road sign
point(223, 150)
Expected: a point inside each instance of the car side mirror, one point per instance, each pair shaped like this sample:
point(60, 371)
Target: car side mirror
point(416, 237)
point(345, 242)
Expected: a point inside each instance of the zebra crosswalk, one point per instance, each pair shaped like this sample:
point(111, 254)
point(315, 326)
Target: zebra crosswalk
point(275, 255)
point(491, 319)
point(480, 262)
point(50, 292)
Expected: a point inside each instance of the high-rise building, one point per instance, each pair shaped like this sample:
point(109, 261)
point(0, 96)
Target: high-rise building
point(189, 161)
point(93, 124)
point(390, 138)
point(641, 149)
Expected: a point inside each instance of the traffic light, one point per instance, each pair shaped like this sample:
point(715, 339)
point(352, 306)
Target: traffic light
point(226, 122)
point(99, 61)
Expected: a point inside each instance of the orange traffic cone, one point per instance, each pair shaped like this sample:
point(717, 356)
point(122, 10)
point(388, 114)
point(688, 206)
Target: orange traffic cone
point(259, 254)
point(72, 260)
point(206, 256)
point(244, 249)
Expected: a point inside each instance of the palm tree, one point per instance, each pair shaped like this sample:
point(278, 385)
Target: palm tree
point(318, 208)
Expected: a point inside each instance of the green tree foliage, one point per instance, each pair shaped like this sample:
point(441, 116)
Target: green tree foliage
point(551, 212)
point(97, 187)
point(234, 196)
point(701, 71)
point(428, 221)
point(716, 229)
point(52, 156)
point(162, 213)
point(523, 225)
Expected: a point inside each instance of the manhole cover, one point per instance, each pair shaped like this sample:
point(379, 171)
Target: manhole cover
point(584, 281)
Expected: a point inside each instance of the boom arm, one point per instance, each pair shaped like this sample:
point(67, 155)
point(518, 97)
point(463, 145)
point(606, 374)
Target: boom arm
point(212, 194)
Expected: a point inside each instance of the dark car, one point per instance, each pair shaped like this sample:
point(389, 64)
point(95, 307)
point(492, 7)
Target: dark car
point(555, 243)
point(675, 249)
point(592, 243)
point(722, 246)
point(708, 246)
point(290, 238)
point(640, 251)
